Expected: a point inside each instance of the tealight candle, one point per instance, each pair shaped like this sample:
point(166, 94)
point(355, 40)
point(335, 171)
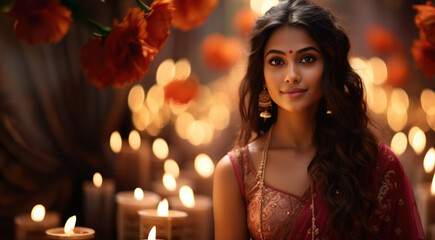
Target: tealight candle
point(199, 211)
point(129, 203)
point(425, 197)
point(170, 222)
point(70, 231)
point(32, 226)
point(99, 206)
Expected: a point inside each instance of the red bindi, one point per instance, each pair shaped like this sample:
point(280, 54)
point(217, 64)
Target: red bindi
point(291, 51)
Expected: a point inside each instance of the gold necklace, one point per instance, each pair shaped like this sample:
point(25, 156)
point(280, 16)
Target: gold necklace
point(260, 177)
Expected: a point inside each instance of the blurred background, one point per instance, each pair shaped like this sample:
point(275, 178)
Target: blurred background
point(57, 128)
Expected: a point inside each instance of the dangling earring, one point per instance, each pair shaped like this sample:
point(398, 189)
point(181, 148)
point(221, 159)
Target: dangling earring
point(264, 104)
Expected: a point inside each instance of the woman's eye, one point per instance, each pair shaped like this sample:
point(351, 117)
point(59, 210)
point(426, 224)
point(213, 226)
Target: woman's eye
point(307, 59)
point(276, 61)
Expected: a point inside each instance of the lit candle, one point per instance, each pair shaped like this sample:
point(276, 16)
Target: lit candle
point(151, 234)
point(129, 203)
point(170, 222)
point(199, 211)
point(169, 185)
point(425, 196)
point(33, 226)
point(99, 206)
point(70, 231)
point(201, 174)
point(133, 161)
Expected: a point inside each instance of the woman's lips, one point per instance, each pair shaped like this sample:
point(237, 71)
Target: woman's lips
point(294, 92)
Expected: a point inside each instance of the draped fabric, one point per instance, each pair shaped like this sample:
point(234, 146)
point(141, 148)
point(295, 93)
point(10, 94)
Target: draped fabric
point(395, 215)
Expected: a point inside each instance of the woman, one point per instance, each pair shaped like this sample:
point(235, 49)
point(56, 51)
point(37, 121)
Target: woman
point(307, 166)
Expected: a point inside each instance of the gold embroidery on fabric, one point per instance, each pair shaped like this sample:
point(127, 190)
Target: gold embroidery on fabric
point(384, 202)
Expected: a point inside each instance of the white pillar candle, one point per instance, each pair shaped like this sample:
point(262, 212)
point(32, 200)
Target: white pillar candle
point(199, 221)
point(99, 206)
point(33, 226)
point(159, 187)
point(127, 212)
point(170, 223)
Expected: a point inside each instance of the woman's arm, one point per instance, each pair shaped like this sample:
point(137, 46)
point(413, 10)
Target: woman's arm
point(228, 205)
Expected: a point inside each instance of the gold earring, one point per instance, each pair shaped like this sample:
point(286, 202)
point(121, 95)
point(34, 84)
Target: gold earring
point(264, 104)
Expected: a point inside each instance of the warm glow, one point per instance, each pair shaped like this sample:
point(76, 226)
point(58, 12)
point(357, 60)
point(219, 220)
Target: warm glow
point(432, 186)
point(399, 143)
point(427, 99)
point(396, 121)
point(182, 69)
point(430, 118)
point(155, 98)
point(171, 166)
point(363, 69)
point(169, 182)
point(115, 142)
point(256, 5)
point(134, 140)
point(70, 225)
point(136, 97)
point(38, 213)
point(379, 70)
point(160, 148)
point(417, 139)
point(267, 4)
point(152, 234)
point(204, 165)
point(141, 118)
point(97, 179)
point(162, 208)
point(199, 132)
point(165, 72)
point(181, 124)
point(138, 194)
point(219, 117)
point(187, 197)
point(377, 100)
point(429, 160)
point(399, 100)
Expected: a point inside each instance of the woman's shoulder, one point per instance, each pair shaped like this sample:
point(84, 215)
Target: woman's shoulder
point(388, 160)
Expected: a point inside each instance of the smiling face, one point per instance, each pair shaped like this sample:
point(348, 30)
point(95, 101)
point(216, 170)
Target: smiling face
point(293, 67)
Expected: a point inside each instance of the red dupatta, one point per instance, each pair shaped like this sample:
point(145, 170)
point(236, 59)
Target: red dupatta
point(395, 215)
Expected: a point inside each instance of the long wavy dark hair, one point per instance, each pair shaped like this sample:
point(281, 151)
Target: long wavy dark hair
point(346, 149)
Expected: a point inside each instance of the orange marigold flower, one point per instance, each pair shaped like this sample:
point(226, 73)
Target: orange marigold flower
point(425, 21)
point(381, 40)
point(40, 21)
point(424, 55)
point(244, 21)
point(181, 91)
point(219, 52)
point(398, 70)
point(92, 57)
point(159, 20)
point(192, 13)
point(127, 52)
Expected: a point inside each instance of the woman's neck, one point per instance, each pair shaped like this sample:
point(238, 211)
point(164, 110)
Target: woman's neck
point(293, 130)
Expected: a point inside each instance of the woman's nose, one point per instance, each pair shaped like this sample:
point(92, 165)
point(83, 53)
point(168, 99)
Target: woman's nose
point(292, 75)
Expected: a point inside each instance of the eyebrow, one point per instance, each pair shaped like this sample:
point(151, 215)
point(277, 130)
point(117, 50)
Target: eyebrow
point(297, 52)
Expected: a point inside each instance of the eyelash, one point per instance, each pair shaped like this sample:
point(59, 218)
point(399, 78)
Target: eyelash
point(305, 59)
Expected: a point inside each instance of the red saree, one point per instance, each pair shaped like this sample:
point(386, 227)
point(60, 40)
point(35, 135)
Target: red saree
point(287, 216)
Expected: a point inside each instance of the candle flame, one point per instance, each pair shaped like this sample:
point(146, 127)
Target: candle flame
point(97, 179)
point(169, 182)
point(152, 233)
point(162, 208)
point(171, 167)
point(429, 160)
point(432, 186)
point(136, 97)
point(417, 139)
point(134, 140)
point(70, 224)
point(204, 165)
point(38, 213)
point(115, 142)
point(160, 148)
point(138, 194)
point(187, 197)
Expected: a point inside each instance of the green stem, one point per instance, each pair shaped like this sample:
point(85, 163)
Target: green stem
point(102, 29)
point(143, 6)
